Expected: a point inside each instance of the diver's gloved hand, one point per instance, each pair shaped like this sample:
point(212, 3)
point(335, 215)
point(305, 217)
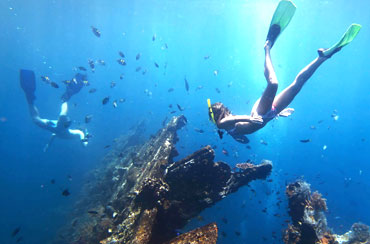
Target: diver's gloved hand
point(286, 112)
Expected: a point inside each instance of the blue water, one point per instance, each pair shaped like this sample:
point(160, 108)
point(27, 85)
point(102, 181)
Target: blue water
point(52, 37)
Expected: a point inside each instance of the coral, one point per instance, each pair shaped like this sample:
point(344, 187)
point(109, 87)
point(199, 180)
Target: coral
point(317, 202)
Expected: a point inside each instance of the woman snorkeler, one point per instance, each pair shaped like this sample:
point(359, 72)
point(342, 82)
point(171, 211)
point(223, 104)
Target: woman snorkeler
point(271, 105)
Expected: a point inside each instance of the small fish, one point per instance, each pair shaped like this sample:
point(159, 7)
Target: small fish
point(45, 79)
point(112, 84)
point(114, 104)
point(121, 54)
point(206, 57)
point(198, 88)
point(121, 76)
point(105, 100)
point(170, 105)
point(218, 90)
point(225, 152)
point(230, 84)
point(92, 212)
point(52, 181)
point(92, 90)
point(144, 71)
point(172, 112)
point(215, 72)
point(66, 193)
point(122, 100)
point(69, 177)
point(220, 133)
point(180, 108)
point(138, 56)
point(101, 61)
point(95, 31)
point(53, 84)
point(186, 84)
point(16, 231)
point(19, 239)
point(91, 64)
point(224, 220)
point(138, 69)
point(82, 68)
point(223, 233)
point(170, 90)
point(156, 65)
point(320, 121)
point(154, 37)
point(121, 61)
point(305, 140)
point(199, 130)
point(88, 118)
point(324, 147)
point(106, 146)
point(237, 233)
point(263, 142)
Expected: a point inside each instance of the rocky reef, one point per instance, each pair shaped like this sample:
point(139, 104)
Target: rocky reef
point(307, 211)
point(141, 196)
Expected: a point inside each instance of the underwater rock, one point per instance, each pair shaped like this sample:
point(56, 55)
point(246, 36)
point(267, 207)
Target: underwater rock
point(307, 211)
point(143, 197)
point(202, 235)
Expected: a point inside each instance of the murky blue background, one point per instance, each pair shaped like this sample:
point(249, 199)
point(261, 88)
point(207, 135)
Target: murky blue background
point(52, 37)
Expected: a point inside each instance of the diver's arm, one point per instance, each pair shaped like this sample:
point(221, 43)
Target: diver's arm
point(49, 143)
point(80, 134)
point(233, 119)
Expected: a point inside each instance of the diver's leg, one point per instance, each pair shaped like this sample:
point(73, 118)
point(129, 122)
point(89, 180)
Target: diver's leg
point(284, 98)
point(272, 83)
point(43, 123)
point(64, 109)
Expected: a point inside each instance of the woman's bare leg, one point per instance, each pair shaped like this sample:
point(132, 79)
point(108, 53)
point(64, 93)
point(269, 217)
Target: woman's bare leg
point(272, 83)
point(284, 98)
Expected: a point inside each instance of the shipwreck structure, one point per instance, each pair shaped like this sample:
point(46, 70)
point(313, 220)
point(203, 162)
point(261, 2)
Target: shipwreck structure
point(307, 211)
point(140, 196)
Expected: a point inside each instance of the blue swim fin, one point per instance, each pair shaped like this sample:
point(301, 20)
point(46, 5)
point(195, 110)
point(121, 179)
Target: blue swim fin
point(28, 84)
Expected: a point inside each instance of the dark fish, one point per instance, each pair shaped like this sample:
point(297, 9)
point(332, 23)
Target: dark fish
point(305, 140)
point(106, 146)
point(121, 61)
point(170, 90)
point(88, 118)
point(95, 31)
point(153, 38)
point(45, 79)
point(186, 84)
point(172, 112)
point(112, 84)
point(114, 104)
point(218, 90)
point(199, 130)
point(82, 68)
point(206, 57)
point(92, 212)
point(220, 133)
point(180, 108)
point(320, 121)
point(223, 233)
point(224, 220)
point(138, 69)
point(121, 76)
point(53, 84)
point(52, 181)
point(138, 56)
point(16, 231)
point(92, 90)
point(165, 46)
point(122, 100)
point(66, 193)
point(91, 64)
point(105, 100)
point(121, 54)
point(156, 65)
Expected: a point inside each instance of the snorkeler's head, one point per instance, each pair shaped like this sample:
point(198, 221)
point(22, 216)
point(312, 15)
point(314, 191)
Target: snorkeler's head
point(220, 111)
point(64, 121)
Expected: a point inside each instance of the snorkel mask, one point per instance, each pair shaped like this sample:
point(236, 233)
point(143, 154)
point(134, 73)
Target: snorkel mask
point(210, 112)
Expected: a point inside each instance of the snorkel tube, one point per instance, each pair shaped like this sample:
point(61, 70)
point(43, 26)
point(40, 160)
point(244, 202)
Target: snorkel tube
point(210, 112)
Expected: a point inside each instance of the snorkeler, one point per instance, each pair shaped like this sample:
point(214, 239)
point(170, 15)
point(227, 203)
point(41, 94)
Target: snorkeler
point(58, 128)
point(271, 105)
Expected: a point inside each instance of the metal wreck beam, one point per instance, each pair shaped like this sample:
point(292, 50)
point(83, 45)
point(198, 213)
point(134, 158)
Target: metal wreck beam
point(143, 196)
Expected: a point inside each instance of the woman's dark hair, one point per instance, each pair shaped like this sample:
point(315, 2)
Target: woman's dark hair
point(220, 111)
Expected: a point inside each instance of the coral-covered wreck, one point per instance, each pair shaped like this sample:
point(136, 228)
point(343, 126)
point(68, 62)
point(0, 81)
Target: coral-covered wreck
point(307, 211)
point(141, 196)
